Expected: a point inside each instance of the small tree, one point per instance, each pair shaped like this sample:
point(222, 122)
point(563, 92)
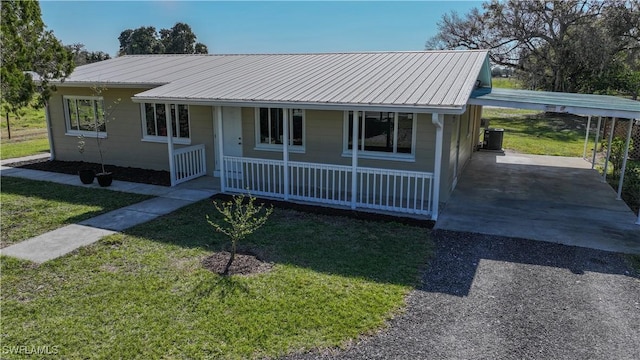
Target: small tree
point(101, 118)
point(243, 217)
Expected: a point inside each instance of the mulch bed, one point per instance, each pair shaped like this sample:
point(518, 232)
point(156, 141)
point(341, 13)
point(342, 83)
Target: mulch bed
point(144, 176)
point(324, 210)
point(243, 264)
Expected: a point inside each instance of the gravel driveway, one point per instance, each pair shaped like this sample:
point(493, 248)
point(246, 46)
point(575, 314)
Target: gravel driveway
point(487, 297)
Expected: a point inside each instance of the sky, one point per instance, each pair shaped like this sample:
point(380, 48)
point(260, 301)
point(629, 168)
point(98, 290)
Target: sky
point(242, 27)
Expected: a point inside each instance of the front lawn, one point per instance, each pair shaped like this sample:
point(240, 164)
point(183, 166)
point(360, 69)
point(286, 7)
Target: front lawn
point(30, 208)
point(145, 294)
point(534, 132)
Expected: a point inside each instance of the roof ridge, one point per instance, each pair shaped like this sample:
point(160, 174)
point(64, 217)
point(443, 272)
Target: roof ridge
point(314, 53)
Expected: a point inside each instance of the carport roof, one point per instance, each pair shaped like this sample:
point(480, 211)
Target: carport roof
point(580, 104)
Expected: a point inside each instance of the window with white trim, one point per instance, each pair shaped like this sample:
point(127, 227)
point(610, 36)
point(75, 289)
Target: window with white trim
point(154, 122)
point(382, 134)
point(270, 129)
point(85, 115)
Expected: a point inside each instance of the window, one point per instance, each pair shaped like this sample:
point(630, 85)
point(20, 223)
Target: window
point(85, 115)
point(382, 134)
point(270, 129)
point(154, 122)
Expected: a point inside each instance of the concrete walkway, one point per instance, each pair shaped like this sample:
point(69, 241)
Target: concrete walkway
point(62, 241)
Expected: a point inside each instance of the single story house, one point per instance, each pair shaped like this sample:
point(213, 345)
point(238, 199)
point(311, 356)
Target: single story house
point(284, 125)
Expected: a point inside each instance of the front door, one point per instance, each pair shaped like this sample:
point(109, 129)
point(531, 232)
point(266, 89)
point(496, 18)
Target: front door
point(231, 133)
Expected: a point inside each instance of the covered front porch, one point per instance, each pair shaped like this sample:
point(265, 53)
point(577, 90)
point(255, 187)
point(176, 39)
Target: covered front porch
point(350, 183)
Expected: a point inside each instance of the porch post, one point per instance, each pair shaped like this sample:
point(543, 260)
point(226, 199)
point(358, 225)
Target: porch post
point(606, 164)
point(354, 159)
point(438, 121)
point(586, 138)
point(285, 151)
point(624, 159)
point(223, 175)
point(595, 144)
point(172, 165)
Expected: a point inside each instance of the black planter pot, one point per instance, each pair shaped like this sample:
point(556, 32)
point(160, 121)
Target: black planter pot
point(87, 176)
point(104, 179)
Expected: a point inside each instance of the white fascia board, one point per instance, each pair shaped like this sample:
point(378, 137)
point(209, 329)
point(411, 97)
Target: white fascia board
point(584, 111)
point(119, 85)
point(308, 105)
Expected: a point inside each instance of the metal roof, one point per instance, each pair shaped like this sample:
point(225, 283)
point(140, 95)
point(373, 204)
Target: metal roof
point(580, 104)
point(420, 80)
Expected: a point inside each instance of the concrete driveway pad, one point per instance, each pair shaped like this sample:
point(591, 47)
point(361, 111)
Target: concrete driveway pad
point(548, 198)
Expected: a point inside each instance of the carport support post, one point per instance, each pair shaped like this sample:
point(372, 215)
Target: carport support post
point(624, 159)
point(438, 121)
point(586, 138)
point(172, 165)
point(606, 164)
point(595, 144)
point(285, 151)
point(223, 177)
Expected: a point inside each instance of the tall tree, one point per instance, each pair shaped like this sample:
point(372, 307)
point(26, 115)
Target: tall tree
point(143, 40)
point(82, 56)
point(571, 45)
point(28, 50)
point(179, 39)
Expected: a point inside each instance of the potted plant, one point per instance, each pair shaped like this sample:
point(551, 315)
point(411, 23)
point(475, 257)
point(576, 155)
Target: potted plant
point(86, 174)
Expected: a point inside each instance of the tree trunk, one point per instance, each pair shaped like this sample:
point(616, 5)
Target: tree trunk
point(233, 256)
point(8, 126)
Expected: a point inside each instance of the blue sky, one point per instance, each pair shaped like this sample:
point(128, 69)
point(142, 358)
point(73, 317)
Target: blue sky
point(257, 27)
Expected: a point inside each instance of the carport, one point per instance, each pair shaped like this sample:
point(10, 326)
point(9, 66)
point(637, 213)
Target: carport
point(543, 197)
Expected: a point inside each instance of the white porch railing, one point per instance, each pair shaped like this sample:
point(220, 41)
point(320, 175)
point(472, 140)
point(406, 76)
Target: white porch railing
point(381, 189)
point(395, 190)
point(190, 163)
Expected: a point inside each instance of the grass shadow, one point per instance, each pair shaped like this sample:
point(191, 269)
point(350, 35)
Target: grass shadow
point(386, 252)
point(70, 194)
point(223, 286)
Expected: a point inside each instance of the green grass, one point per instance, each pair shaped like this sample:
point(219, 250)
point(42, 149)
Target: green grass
point(28, 134)
point(30, 208)
point(27, 118)
point(533, 132)
point(12, 149)
point(144, 294)
point(505, 83)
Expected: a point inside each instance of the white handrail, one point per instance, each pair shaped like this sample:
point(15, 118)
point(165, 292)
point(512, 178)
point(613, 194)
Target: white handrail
point(189, 163)
point(382, 189)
